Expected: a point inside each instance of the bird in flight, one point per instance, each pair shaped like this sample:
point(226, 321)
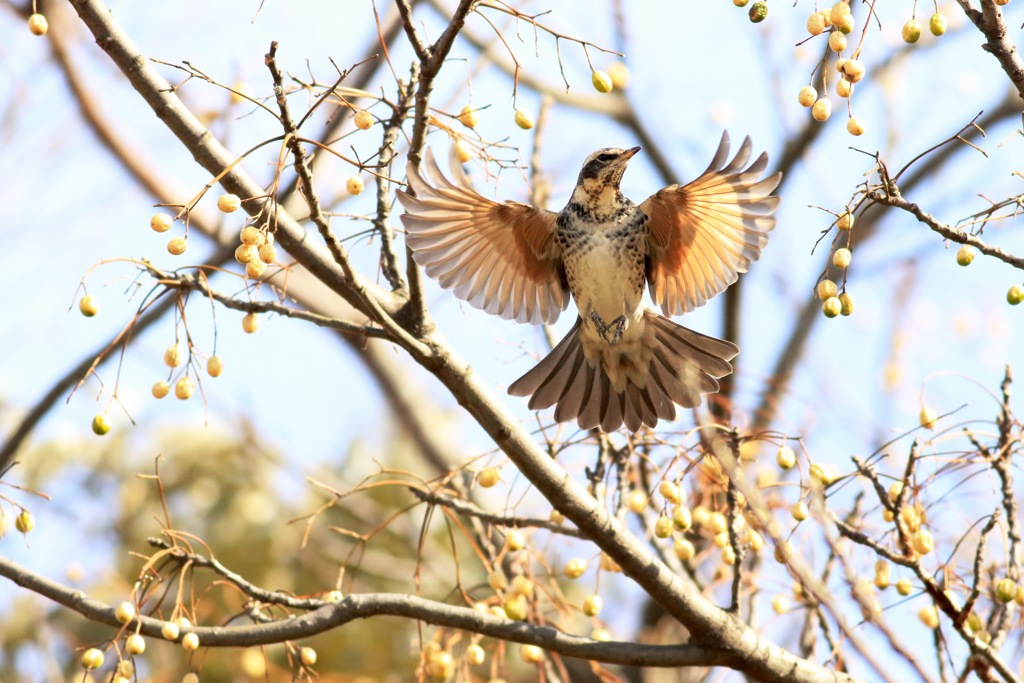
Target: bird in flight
point(622, 362)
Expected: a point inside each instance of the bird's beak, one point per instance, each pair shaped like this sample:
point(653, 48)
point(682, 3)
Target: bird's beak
point(629, 154)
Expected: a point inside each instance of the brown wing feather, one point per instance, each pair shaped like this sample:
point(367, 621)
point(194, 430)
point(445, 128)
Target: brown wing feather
point(707, 232)
point(501, 258)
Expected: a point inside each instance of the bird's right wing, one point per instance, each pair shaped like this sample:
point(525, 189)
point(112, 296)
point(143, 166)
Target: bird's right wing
point(501, 258)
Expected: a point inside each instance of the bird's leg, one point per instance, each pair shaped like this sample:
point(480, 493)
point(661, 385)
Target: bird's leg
point(616, 327)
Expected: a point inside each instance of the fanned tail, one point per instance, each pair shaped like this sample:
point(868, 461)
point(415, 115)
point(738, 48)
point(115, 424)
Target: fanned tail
point(684, 365)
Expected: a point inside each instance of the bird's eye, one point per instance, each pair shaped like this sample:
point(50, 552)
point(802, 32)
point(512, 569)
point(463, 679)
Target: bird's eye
point(606, 157)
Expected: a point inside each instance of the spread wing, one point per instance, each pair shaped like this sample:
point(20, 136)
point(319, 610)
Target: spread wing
point(501, 258)
point(707, 232)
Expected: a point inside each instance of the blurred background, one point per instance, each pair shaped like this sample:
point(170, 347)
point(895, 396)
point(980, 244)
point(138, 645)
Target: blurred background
point(297, 402)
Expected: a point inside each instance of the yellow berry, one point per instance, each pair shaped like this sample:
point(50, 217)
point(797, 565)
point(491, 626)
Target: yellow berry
point(101, 424)
point(844, 89)
point(758, 12)
point(190, 642)
point(619, 74)
point(855, 126)
point(592, 605)
point(853, 70)
point(926, 418)
point(1015, 295)
point(728, 556)
point(815, 25)
point(912, 31)
point(684, 549)
point(124, 612)
point(497, 580)
point(89, 305)
point(37, 25)
point(846, 303)
point(214, 366)
point(607, 564)
point(929, 616)
point(363, 119)
point(826, 290)
point(780, 604)
point(160, 389)
point(807, 95)
point(92, 658)
point(964, 255)
point(475, 655)
point(308, 656)
point(636, 501)
point(170, 630)
point(521, 585)
point(681, 518)
point(599, 634)
point(820, 474)
point(468, 117)
point(177, 246)
point(799, 511)
point(556, 517)
point(250, 323)
point(937, 24)
point(246, 253)
point(489, 477)
point(463, 151)
point(838, 11)
point(190, 677)
point(240, 92)
point(160, 222)
point(846, 24)
point(904, 587)
point(826, 17)
point(575, 568)
point(184, 388)
point(251, 235)
point(837, 41)
point(895, 490)
point(845, 221)
point(821, 109)
point(832, 307)
point(229, 203)
point(135, 644)
point(516, 540)
point(842, 257)
point(531, 654)
point(663, 527)
point(440, 665)
point(602, 81)
point(783, 552)
point(523, 120)
point(785, 458)
point(174, 356)
point(923, 541)
point(255, 268)
point(25, 522)
point(669, 491)
point(1006, 590)
point(335, 596)
point(268, 253)
point(354, 185)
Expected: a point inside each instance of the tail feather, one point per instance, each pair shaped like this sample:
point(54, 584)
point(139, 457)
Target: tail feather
point(684, 365)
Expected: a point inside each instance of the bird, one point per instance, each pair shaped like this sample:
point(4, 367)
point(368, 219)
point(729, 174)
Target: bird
point(622, 362)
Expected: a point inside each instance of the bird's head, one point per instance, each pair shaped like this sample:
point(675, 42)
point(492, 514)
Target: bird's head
point(601, 174)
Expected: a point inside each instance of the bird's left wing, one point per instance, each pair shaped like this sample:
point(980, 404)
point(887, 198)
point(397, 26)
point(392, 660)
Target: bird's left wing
point(500, 257)
point(707, 232)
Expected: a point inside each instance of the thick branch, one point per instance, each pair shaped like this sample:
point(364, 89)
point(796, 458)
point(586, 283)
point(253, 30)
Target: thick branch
point(363, 606)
